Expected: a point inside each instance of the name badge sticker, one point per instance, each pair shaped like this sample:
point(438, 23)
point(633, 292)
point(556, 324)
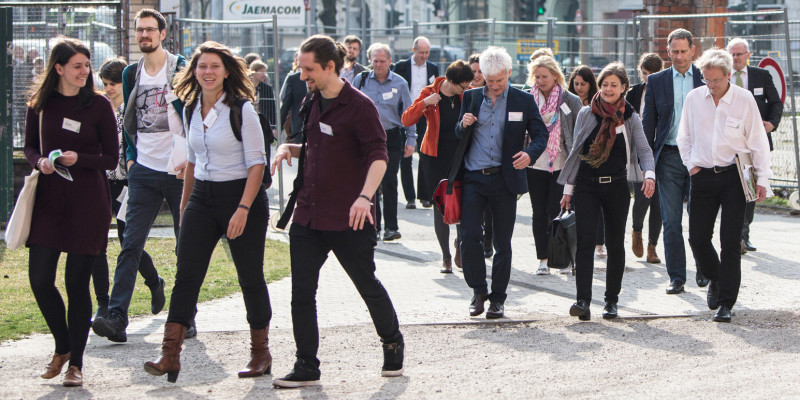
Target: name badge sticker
point(515, 116)
point(170, 97)
point(210, 118)
point(759, 91)
point(71, 125)
point(388, 95)
point(431, 79)
point(394, 90)
point(565, 109)
point(326, 129)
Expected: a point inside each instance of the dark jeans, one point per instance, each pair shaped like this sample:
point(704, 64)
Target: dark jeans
point(100, 269)
point(710, 192)
point(545, 194)
point(394, 144)
point(205, 220)
point(640, 205)
point(355, 251)
point(481, 191)
point(71, 331)
point(749, 214)
point(589, 198)
point(673, 188)
point(147, 189)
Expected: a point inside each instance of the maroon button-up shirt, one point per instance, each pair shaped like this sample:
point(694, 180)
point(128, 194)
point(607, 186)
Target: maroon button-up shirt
point(337, 162)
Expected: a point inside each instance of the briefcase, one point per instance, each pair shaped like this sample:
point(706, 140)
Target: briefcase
point(563, 241)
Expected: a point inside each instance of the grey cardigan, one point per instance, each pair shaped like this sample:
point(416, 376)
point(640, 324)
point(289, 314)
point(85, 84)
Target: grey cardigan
point(639, 152)
point(574, 104)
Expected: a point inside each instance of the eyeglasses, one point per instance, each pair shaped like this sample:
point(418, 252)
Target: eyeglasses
point(738, 54)
point(714, 82)
point(149, 31)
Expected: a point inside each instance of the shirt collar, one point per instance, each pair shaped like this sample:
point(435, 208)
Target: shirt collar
point(675, 72)
point(744, 71)
point(727, 97)
point(414, 62)
point(388, 77)
point(501, 96)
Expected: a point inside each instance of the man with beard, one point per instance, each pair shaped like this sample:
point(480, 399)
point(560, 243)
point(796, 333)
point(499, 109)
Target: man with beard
point(152, 115)
point(352, 68)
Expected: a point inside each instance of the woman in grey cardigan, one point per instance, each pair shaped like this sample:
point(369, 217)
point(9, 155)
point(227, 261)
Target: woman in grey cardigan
point(559, 109)
point(609, 145)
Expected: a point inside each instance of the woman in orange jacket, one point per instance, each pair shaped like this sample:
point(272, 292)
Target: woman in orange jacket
point(440, 103)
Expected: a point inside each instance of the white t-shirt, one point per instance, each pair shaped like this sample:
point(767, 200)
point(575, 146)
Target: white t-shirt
point(156, 119)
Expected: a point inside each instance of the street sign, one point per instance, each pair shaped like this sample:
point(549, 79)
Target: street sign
point(579, 20)
point(525, 47)
point(777, 75)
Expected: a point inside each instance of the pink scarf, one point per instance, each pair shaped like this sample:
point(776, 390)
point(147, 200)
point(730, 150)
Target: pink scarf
point(549, 112)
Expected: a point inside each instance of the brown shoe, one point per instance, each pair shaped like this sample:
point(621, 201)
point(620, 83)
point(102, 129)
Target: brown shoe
point(458, 254)
point(652, 257)
point(74, 377)
point(260, 359)
point(638, 246)
point(54, 368)
point(447, 267)
point(744, 248)
point(170, 361)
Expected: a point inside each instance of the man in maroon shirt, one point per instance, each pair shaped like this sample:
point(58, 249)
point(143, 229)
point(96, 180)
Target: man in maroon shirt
point(344, 163)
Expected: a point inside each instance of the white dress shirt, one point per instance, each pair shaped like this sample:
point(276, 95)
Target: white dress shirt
point(418, 78)
point(710, 135)
point(744, 77)
point(216, 153)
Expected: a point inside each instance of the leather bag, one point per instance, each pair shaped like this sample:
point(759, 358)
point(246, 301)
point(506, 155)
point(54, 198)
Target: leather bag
point(563, 241)
point(449, 204)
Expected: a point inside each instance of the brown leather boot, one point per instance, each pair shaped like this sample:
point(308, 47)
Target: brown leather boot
point(457, 258)
point(638, 246)
point(54, 368)
point(652, 257)
point(170, 361)
point(260, 359)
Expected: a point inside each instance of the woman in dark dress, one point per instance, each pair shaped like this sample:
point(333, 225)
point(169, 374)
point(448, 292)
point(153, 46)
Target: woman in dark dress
point(440, 103)
point(70, 217)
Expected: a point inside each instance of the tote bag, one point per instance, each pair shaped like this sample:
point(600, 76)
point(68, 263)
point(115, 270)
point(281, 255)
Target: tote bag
point(563, 241)
point(19, 225)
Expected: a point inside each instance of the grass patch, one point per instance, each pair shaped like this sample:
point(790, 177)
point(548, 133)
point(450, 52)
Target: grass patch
point(776, 201)
point(20, 316)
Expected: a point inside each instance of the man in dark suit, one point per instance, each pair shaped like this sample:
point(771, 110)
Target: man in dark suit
point(418, 72)
point(759, 82)
point(495, 119)
point(293, 92)
point(663, 105)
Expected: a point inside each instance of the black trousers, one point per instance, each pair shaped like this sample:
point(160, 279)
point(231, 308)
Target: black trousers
point(395, 141)
point(589, 199)
point(479, 192)
point(545, 194)
point(204, 221)
point(709, 193)
point(407, 172)
point(100, 269)
point(640, 205)
point(749, 214)
point(355, 251)
point(71, 331)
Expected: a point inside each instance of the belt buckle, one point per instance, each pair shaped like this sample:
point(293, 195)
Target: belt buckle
point(604, 179)
point(718, 170)
point(485, 171)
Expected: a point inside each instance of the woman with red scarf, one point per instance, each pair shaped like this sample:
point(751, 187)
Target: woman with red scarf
point(559, 109)
point(609, 142)
point(440, 103)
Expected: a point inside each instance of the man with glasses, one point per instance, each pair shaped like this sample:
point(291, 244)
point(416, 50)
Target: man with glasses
point(759, 82)
point(152, 115)
point(663, 104)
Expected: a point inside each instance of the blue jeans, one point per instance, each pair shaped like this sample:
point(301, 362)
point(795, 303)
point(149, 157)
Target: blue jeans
point(673, 187)
point(146, 191)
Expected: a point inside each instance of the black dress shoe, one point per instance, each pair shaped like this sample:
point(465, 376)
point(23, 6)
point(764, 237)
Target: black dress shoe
point(610, 310)
point(581, 310)
point(391, 234)
point(488, 253)
point(701, 279)
point(748, 246)
point(712, 297)
point(675, 287)
point(476, 307)
point(723, 314)
point(426, 203)
point(495, 310)
point(411, 206)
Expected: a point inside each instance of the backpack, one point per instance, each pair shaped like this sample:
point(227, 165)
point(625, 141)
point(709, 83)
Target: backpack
point(236, 126)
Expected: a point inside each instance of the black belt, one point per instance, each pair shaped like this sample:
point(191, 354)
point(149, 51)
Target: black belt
point(718, 170)
point(670, 147)
point(489, 171)
point(393, 130)
point(602, 179)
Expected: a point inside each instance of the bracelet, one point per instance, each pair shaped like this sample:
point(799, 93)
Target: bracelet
point(39, 163)
point(365, 196)
point(244, 206)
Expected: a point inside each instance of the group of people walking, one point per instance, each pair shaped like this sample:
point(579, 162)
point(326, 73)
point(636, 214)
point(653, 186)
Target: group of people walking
point(189, 132)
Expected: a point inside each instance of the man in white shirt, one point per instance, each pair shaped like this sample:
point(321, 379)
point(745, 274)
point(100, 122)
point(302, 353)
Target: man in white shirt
point(719, 121)
point(152, 116)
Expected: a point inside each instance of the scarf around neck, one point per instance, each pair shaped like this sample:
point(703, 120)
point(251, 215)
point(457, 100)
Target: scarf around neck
point(612, 116)
point(550, 115)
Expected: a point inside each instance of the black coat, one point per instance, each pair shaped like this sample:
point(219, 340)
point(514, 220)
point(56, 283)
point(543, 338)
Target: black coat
point(768, 100)
point(293, 92)
point(403, 68)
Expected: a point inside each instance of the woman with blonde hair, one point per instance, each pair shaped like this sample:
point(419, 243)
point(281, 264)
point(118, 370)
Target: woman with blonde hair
point(559, 108)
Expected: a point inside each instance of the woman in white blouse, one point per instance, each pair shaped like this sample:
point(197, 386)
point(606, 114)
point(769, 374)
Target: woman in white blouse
point(222, 195)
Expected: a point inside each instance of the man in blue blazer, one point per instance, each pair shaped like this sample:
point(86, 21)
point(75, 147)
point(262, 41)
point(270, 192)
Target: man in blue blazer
point(663, 105)
point(492, 160)
point(418, 72)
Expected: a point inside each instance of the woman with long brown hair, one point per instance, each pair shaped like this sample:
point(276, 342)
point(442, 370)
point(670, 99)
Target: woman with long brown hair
point(222, 195)
point(66, 113)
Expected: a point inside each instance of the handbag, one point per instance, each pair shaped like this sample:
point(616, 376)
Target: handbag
point(563, 241)
point(449, 204)
point(19, 224)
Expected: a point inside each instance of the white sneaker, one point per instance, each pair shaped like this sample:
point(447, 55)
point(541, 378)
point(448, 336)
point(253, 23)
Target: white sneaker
point(600, 251)
point(565, 271)
point(543, 268)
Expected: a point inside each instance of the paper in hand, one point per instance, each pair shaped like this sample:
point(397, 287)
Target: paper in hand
point(60, 169)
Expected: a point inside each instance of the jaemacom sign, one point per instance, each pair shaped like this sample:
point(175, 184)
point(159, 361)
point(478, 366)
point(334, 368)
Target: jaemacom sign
point(289, 12)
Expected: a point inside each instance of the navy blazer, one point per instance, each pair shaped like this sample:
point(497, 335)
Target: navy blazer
point(769, 101)
point(657, 115)
point(403, 68)
point(513, 134)
point(293, 92)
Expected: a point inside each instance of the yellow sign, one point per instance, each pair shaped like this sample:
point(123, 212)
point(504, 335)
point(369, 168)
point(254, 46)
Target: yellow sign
point(528, 46)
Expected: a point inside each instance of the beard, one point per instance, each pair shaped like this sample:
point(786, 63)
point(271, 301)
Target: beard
point(151, 47)
point(352, 58)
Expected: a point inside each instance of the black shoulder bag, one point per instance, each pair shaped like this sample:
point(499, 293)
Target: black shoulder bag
point(305, 110)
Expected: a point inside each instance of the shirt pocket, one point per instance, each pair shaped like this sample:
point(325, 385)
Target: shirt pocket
point(733, 129)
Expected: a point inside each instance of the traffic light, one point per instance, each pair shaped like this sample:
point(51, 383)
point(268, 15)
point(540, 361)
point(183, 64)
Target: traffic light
point(540, 8)
point(393, 18)
point(526, 10)
point(437, 6)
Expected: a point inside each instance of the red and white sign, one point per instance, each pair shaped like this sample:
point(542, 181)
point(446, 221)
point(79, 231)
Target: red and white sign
point(579, 20)
point(777, 75)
